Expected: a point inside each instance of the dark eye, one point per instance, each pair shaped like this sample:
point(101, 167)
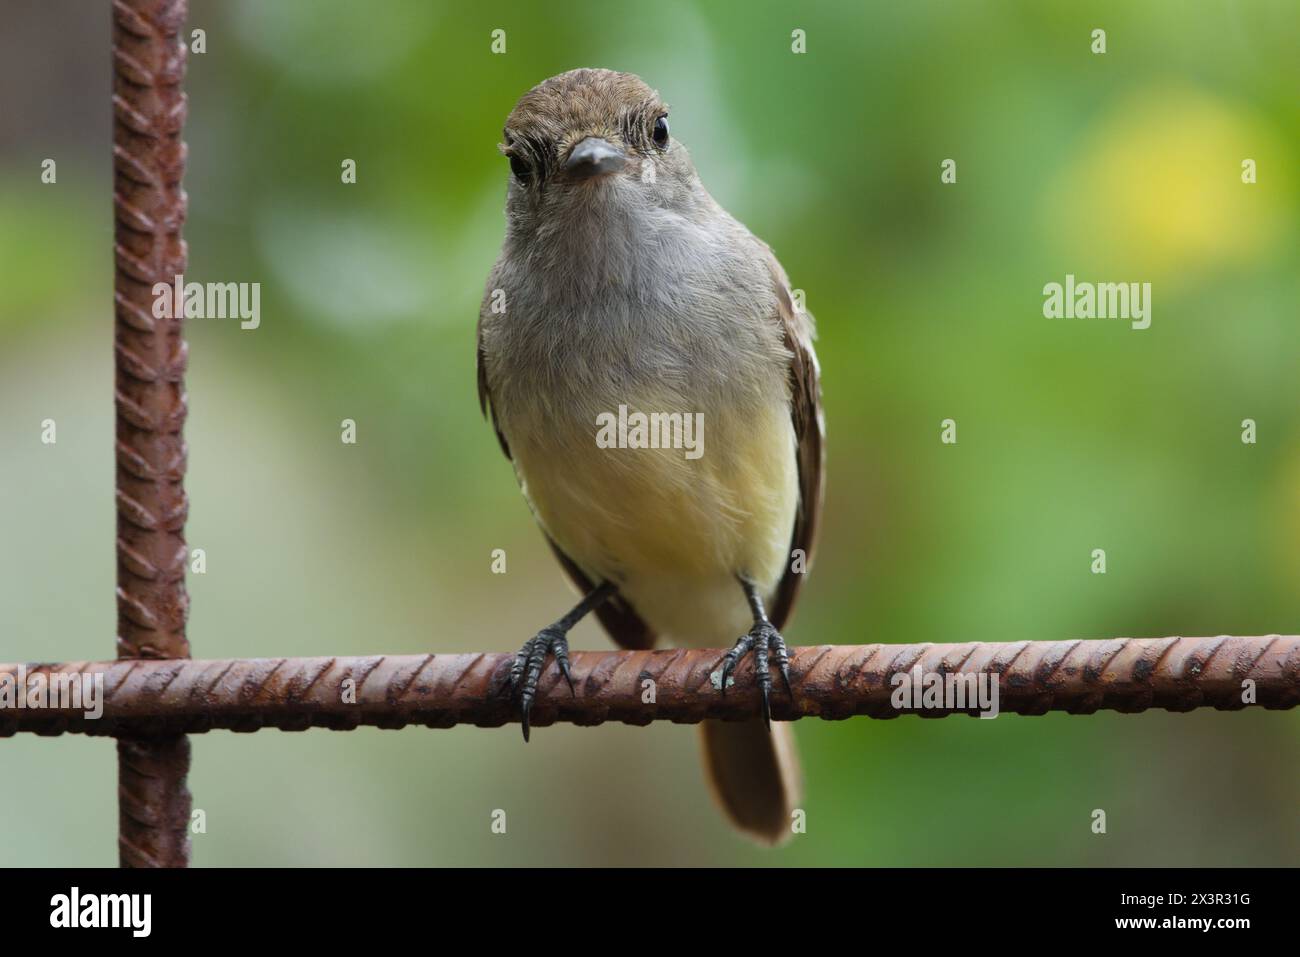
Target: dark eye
point(519, 166)
point(660, 133)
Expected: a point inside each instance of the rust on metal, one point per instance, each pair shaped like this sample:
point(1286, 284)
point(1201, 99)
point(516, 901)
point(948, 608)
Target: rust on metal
point(638, 687)
point(150, 402)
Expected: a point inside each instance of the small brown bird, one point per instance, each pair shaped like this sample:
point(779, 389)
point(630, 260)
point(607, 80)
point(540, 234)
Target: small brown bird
point(628, 318)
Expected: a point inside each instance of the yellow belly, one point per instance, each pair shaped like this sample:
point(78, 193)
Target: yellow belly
point(671, 531)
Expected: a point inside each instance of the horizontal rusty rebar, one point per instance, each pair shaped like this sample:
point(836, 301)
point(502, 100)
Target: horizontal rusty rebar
point(158, 697)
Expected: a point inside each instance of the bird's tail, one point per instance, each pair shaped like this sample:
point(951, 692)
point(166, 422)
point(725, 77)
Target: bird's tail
point(755, 775)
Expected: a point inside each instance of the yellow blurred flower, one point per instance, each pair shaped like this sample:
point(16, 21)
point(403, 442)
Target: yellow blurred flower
point(1155, 187)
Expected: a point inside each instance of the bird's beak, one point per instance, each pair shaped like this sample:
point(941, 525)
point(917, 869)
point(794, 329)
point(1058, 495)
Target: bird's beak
point(594, 157)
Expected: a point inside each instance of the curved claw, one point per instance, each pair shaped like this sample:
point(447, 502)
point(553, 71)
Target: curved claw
point(762, 638)
point(732, 657)
point(526, 669)
point(520, 663)
point(782, 658)
point(764, 676)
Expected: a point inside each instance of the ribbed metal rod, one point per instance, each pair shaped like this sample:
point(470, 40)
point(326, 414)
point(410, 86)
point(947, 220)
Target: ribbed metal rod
point(144, 697)
point(149, 400)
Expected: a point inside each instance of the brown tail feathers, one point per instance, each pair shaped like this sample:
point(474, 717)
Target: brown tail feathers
point(755, 775)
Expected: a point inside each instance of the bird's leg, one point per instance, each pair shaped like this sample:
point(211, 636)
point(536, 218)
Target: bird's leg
point(554, 639)
point(762, 639)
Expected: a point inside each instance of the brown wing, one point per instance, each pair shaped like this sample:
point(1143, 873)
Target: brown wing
point(810, 433)
point(618, 618)
point(485, 396)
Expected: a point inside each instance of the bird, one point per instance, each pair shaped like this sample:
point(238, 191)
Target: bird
point(623, 289)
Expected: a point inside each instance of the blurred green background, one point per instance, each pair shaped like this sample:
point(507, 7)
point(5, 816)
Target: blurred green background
point(1073, 435)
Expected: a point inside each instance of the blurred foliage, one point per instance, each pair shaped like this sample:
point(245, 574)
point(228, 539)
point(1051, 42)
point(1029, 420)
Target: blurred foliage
point(1073, 435)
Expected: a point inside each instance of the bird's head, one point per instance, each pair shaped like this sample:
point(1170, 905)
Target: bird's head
point(590, 144)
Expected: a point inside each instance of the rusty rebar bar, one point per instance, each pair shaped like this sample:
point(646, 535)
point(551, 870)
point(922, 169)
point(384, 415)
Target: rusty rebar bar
point(150, 358)
point(1081, 677)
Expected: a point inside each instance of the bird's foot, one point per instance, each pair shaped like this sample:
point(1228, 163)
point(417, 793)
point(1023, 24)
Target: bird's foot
point(528, 664)
point(764, 640)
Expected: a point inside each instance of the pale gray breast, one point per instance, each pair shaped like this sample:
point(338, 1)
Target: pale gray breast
point(649, 303)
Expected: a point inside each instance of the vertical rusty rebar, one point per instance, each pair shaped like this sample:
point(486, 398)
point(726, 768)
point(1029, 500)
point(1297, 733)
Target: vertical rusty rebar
point(150, 358)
